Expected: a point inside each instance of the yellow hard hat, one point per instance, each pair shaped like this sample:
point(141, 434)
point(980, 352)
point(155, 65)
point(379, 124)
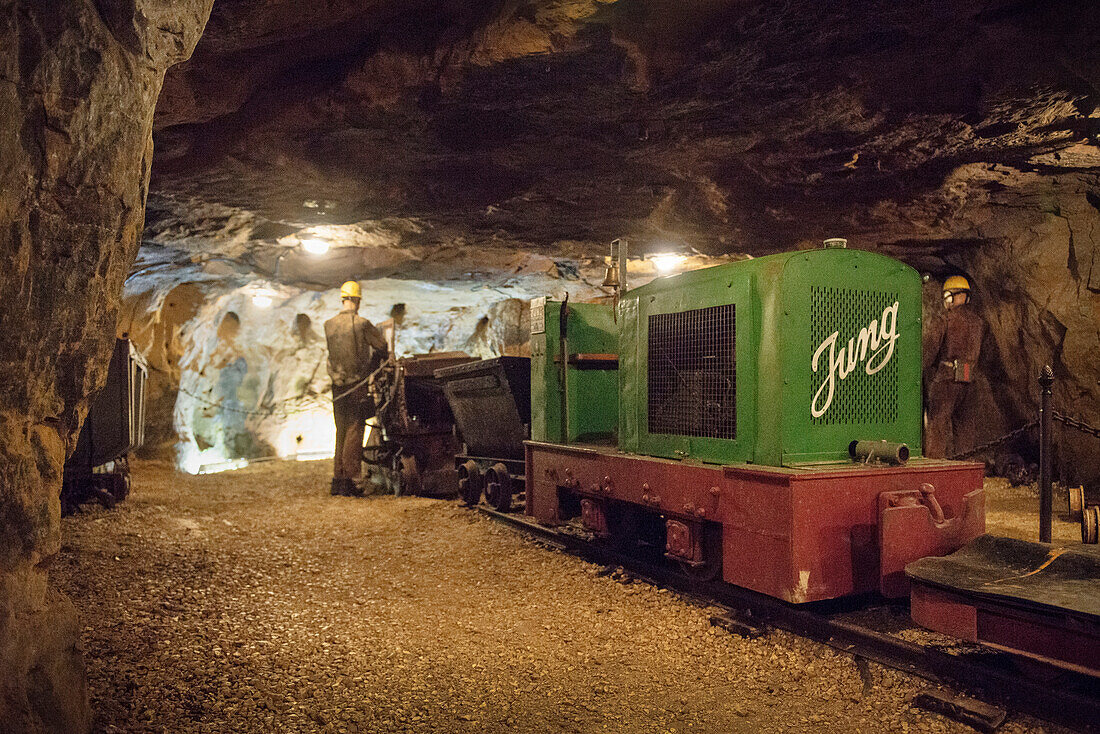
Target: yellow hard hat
point(350, 289)
point(956, 283)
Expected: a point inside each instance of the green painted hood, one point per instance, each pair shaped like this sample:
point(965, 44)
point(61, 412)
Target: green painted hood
point(827, 350)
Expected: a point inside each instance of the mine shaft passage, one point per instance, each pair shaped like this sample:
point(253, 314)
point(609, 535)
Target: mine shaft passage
point(253, 600)
point(776, 299)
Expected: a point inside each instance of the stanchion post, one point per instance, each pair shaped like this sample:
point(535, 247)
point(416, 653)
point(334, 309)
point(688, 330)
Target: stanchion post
point(1046, 492)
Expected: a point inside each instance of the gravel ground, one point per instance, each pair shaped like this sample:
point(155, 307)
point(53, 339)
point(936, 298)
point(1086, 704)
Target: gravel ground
point(1014, 512)
point(251, 601)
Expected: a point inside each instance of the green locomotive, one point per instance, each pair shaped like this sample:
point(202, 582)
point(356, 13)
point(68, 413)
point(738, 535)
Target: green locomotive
point(722, 406)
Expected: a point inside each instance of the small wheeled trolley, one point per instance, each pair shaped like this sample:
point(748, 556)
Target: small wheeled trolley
point(411, 440)
point(1030, 599)
point(99, 467)
point(491, 402)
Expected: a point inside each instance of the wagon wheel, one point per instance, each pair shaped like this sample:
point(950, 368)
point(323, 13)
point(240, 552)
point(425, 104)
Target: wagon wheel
point(711, 568)
point(1076, 504)
point(469, 483)
point(1090, 525)
point(120, 479)
point(709, 571)
point(409, 476)
point(498, 488)
point(120, 485)
point(100, 489)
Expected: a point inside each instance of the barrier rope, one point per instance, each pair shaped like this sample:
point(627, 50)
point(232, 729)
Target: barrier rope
point(1062, 418)
point(1076, 424)
point(997, 441)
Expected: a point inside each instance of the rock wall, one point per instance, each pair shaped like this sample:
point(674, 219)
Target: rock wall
point(78, 84)
point(232, 380)
point(1030, 245)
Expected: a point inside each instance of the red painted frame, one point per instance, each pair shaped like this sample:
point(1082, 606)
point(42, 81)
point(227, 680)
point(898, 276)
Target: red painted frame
point(801, 534)
point(1063, 640)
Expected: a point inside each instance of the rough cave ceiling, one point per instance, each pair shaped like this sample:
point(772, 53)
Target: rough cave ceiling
point(726, 125)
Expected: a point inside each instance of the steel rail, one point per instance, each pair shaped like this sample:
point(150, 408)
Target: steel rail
point(1048, 700)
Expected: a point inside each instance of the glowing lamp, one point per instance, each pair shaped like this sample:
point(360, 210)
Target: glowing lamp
point(667, 262)
point(262, 300)
point(315, 246)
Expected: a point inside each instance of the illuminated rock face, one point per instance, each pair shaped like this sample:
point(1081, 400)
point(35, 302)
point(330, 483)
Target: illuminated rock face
point(78, 83)
point(240, 380)
point(955, 136)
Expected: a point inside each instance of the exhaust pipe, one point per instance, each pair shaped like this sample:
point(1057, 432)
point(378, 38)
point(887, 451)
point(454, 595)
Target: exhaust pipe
point(885, 451)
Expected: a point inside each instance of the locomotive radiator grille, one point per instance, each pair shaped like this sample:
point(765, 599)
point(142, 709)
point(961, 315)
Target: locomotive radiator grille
point(860, 398)
point(692, 373)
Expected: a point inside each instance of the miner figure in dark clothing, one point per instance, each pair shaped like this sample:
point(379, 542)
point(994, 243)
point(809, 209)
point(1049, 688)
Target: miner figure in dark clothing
point(355, 350)
point(954, 365)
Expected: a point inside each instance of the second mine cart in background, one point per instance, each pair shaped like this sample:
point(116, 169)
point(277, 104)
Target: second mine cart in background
point(99, 467)
point(491, 402)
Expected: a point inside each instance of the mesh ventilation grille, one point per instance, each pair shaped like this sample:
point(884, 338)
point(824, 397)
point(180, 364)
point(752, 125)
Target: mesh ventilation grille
point(860, 398)
point(692, 373)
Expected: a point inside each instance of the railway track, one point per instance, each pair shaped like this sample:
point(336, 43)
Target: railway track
point(1064, 699)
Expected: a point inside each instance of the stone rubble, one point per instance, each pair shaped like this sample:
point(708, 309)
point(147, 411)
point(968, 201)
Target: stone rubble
point(251, 601)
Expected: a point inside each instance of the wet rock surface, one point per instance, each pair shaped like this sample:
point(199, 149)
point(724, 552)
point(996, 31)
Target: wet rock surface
point(253, 601)
point(78, 83)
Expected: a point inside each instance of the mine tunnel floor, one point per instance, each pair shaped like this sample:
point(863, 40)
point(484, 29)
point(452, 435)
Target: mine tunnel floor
point(252, 601)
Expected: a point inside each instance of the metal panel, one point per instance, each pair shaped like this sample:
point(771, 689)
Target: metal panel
point(860, 397)
point(849, 354)
point(722, 431)
point(491, 402)
point(593, 393)
point(692, 373)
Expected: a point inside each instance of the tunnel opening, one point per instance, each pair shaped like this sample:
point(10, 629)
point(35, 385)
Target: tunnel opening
point(303, 324)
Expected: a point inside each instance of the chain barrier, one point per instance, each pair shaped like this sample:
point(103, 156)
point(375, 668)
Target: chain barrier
point(997, 441)
point(1076, 424)
point(1070, 421)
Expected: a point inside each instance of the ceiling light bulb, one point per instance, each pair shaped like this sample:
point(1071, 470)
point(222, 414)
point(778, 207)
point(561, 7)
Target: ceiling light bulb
point(315, 246)
point(262, 300)
point(666, 263)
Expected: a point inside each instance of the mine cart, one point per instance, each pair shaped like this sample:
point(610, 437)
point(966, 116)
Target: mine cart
point(99, 466)
point(491, 402)
point(411, 443)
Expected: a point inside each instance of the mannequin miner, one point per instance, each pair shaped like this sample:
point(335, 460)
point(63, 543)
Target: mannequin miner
point(953, 368)
point(355, 350)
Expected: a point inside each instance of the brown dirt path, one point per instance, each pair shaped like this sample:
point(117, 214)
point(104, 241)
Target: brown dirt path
point(251, 601)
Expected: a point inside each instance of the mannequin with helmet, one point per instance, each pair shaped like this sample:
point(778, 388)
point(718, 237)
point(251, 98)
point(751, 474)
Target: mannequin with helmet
point(953, 368)
point(355, 350)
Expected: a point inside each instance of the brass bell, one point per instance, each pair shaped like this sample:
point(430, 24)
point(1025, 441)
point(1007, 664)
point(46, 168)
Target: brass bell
point(611, 277)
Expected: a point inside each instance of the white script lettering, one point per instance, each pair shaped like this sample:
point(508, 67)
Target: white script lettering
point(873, 347)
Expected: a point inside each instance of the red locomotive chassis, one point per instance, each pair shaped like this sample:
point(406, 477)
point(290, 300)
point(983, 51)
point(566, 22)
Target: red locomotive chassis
point(801, 534)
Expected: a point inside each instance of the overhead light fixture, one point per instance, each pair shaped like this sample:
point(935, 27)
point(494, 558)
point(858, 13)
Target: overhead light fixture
point(666, 263)
point(315, 246)
point(262, 299)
